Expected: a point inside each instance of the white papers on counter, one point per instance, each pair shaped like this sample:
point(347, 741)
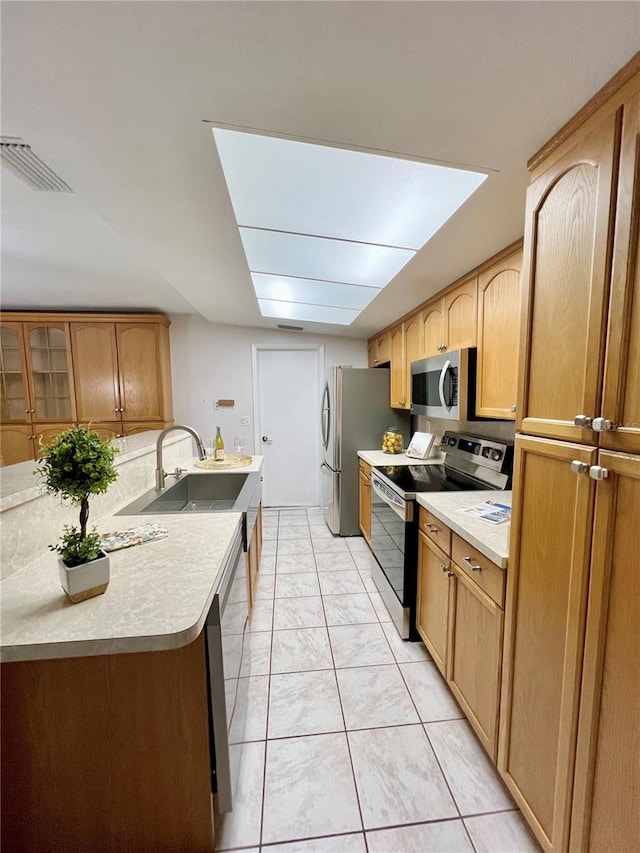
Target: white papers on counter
point(491, 511)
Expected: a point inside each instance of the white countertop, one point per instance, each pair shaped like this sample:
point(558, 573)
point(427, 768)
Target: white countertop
point(379, 457)
point(492, 540)
point(158, 596)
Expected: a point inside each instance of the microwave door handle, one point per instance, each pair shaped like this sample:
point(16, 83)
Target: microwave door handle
point(443, 376)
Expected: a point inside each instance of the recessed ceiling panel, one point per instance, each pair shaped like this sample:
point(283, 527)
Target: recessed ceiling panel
point(306, 188)
point(309, 313)
point(312, 292)
point(317, 258)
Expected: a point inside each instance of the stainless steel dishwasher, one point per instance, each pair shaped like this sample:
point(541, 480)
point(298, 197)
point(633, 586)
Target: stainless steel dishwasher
point(227, 645)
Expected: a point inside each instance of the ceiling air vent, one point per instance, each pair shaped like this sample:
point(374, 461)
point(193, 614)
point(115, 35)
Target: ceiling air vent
point(290, 328)
point(21, 160)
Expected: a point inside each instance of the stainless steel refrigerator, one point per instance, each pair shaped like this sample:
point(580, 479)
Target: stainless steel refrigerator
point(355, 414)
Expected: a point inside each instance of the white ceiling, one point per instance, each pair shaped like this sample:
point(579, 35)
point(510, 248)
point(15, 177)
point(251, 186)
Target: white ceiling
point(115, 98)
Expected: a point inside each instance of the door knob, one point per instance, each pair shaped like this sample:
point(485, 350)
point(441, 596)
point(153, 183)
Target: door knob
point(265, 438)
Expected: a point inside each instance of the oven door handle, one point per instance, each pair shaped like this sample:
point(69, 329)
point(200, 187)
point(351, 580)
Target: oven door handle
point(398, 507)
point(443, 376)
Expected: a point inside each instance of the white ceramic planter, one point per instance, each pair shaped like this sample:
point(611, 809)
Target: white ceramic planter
point(87, 580)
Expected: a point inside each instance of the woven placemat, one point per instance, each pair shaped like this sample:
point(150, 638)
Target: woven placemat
point(233, 460)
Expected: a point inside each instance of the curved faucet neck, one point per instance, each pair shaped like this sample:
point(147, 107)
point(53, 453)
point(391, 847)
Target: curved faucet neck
point(160, 472)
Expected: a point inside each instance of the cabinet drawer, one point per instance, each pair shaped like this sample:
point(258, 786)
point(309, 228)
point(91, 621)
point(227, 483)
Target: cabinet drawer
point(365, 468)
point(435, 530)
point(488, 576)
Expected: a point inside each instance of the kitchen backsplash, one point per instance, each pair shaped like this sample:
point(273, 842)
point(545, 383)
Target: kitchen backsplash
point(502, 430)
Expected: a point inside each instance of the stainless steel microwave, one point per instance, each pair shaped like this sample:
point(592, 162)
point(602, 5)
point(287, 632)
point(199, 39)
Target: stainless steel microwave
point(444, 386)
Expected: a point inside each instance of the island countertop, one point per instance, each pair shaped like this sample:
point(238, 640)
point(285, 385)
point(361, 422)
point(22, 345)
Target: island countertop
point(158, 596)
point(492, 540)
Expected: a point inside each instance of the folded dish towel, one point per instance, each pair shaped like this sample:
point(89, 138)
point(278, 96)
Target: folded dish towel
point(132, 536)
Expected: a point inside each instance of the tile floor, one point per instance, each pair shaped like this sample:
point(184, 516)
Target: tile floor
point(353, 741)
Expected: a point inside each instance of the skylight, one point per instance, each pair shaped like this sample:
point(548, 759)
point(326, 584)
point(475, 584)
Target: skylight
point(325, 229)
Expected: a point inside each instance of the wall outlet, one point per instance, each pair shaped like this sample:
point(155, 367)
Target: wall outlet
point(245, 420)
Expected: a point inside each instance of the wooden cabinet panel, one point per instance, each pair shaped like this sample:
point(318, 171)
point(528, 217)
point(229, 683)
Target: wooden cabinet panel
point(15, 406)
point(460, 316)
point(44, 433)
point(108, 429)
point(433, 336)
point(568, 215)
point(380, 350)
point(498, 338)
point(413, 349)
point(621, 395)
point(16, 444)
point(398, 377)
point(432, 617)
point(436, 530)
point(95, 369)
point(364, 494)
point(484, 572)
point(546, 598)
point(140, 371)
point(605, 814)
point(49, 372)
point(475, 657)
point(107, 753)
point(133, 429)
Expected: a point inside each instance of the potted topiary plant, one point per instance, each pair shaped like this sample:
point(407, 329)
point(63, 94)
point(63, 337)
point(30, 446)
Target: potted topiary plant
point(76, 465)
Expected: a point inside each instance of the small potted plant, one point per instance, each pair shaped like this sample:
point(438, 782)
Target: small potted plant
point(76, 465)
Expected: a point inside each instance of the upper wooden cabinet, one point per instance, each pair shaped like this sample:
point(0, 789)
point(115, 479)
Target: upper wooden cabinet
point(621, 394)
point(380, 350)
point(498, 335)
point(36, 372)
point(450, 322)
point(58, 369)
point(579, 334)
point(460, 316)
point(122, 371)
point(398, 377)
point(433, 328)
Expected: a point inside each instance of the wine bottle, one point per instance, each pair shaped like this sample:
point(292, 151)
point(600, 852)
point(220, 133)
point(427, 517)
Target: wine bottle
point(218, 446)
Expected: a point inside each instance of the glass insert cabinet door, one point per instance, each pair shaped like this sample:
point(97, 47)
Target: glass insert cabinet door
point(14, 396)
point(50, 381)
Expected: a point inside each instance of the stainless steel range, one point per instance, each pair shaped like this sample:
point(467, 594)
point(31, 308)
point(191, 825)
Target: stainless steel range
point(471, 463)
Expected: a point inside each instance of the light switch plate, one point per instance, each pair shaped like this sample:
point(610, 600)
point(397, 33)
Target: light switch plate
point(245, 420)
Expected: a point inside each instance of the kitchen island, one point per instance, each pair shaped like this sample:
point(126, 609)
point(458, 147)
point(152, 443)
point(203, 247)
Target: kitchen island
point(105, 716)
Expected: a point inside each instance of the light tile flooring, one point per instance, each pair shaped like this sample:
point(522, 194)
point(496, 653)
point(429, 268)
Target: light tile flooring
point(353, 741)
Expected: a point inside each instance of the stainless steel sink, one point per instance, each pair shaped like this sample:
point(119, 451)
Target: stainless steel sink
point(199, 493)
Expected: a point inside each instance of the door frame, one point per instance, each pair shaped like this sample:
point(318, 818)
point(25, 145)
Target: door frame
point(256, 349)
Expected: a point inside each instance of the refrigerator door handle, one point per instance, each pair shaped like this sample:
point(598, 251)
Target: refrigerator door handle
point(326, 417)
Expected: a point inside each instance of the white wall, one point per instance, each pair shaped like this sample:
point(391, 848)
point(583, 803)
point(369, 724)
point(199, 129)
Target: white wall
point(210, 362)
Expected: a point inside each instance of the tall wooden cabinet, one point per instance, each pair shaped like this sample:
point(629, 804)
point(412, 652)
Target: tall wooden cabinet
point(112, 371)
point(364, 499)
point(569, 739)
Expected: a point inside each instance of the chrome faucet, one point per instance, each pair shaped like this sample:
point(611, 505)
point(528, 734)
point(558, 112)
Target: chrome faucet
point(160, 472)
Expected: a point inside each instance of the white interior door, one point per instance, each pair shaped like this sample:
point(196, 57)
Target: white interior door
point(288, 425)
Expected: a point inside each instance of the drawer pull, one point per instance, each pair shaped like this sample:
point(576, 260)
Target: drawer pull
point(475, 567)
point(431, 527)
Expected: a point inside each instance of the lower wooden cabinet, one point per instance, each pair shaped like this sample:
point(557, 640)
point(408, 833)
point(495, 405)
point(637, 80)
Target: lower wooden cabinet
point(475, 656)
point(253, 558)
point(462, 624)
point(605, 814)
point(544, 631)
point(17, 444)
point(364, 504)
point(432, 612)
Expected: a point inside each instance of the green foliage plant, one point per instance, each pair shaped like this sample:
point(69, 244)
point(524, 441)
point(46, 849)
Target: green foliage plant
point(76, 465)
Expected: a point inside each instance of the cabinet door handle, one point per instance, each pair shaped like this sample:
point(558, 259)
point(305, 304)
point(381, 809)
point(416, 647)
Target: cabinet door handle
point(449, 574)
point(579, 467)
point(444, 569)
point(475, 567)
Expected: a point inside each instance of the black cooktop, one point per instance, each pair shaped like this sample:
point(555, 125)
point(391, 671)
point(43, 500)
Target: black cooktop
point(422, 478)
